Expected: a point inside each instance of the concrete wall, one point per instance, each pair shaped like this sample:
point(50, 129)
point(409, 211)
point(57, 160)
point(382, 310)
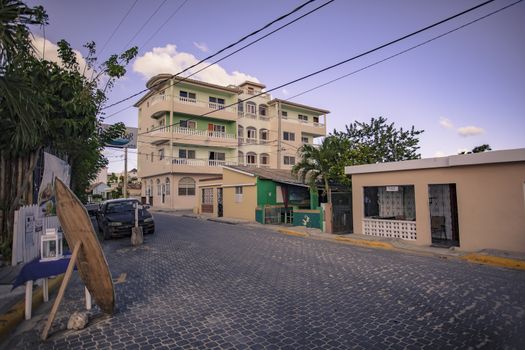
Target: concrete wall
point(245, 207)
point(490, 199)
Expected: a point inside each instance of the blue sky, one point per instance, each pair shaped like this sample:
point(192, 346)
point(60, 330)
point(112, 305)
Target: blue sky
point(464, 89)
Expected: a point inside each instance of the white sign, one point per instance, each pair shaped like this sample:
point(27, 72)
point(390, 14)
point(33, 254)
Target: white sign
point(53, 167)
point(392, 188)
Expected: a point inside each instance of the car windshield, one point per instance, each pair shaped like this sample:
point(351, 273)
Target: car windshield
point(120, 207)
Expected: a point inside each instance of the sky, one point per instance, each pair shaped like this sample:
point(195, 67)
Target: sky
point(464, 89)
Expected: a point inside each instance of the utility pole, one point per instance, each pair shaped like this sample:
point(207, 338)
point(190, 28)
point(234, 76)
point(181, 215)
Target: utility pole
point(125, 186)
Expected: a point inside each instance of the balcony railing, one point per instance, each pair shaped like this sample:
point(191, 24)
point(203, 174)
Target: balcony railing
point(201, 162)
point(191, 101)
point(190, 131)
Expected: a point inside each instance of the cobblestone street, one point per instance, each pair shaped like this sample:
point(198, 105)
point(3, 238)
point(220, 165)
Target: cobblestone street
point(199, 284)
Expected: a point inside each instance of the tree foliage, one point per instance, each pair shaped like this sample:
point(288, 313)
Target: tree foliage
point(478, 149)
point(379, 141)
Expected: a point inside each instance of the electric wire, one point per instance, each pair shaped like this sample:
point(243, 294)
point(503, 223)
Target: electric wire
point(117, 27)
point(144, 24)
point(216, 53)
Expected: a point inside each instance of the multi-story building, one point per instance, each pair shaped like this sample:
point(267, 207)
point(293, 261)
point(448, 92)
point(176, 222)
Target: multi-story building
point(189, 129)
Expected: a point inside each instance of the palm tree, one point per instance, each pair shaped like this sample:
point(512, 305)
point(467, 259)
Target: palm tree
point(323, 162)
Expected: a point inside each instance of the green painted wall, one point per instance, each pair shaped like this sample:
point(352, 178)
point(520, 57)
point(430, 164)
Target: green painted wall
point(266, 194)
point(202, 122)
point(259, 215)
point(315, 219)
point(203, 93)
point(314, 199)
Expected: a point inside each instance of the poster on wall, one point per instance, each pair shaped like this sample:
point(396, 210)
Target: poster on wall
point(53, 167)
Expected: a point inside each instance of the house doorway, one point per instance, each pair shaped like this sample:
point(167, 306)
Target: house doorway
point(219, 203)
point(443, 207)
point(342, 220)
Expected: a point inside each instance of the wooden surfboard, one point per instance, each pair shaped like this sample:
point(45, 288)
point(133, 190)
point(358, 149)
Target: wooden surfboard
point(91, 263)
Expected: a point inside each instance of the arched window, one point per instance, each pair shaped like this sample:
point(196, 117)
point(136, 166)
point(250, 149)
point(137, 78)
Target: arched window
point(251, 158)
point(167, 185)
point(159, 191)
point(186, 186)
point(251, 135)
point(240, 157)
point(264, 159)
point(264, 135)
point(262, 110)
point(251, 108)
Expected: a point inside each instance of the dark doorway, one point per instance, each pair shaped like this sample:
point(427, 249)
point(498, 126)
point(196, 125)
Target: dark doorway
point(219, 203)
point(443, 207)
point(342, 220)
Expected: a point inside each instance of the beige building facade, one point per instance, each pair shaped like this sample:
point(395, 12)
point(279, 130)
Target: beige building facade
point(188, 130)
point(472, 201)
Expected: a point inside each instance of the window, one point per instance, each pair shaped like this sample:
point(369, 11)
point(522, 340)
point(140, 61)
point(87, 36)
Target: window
point(187, 153)
point(390, 202)
point(250, 91)
point(238, 194)
point(186, 186)
point(263, 135)
point(207, 196)
point(152, 156)
point(251, 135)
point(161, 154)
point(219, 128)
point(216, 102)
point(289, 160)
point(289, 136)
point(251, 158)
point(147, 156)
point(190, 124)
point(284, 114)
point(167, 186)
point(316, 119)
point(187, 96)
point(214, 156)
point(303, 118)
point(240, 131)
point(264, 159)
point(159, 191)
point(304, 139)
point(240, 106)
point(262, 110)
point(251, 108)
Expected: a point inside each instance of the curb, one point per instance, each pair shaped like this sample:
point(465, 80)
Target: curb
point(292, 232)
point(12, 318)
point(495, 261)
point(363, 243)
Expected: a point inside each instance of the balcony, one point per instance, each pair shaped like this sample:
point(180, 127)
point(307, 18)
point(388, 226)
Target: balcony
point(313, 128)
point(201, 162)
point(157, 105)
point(193, 136)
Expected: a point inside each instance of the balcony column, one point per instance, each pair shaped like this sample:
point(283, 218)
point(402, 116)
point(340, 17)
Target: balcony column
point(172, 126)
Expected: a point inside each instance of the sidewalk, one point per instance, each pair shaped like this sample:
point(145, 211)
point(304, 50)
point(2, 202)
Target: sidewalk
point(488, 257)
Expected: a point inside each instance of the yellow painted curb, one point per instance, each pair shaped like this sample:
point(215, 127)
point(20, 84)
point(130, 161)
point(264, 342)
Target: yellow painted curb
point(495, 260)
point(16, 314)
point(293, 233)
point(365, 243)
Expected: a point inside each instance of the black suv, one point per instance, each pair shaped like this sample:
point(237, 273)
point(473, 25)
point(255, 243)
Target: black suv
point(116, 217)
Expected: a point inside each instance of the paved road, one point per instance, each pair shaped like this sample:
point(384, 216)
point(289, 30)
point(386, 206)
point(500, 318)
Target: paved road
point(198, 284)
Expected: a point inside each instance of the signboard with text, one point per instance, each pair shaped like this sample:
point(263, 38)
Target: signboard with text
point(129, 139)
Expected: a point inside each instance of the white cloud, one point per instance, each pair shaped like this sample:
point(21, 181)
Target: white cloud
point(168, 60)
point(439, 154)
point(470, 131)
point(285, 92)
point(201, 46)
point(50, 53)
point(446, 123)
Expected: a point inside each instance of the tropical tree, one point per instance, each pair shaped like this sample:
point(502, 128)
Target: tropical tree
point(478, 149)
point(380, 142)
point(324, 162)
point(48, 105)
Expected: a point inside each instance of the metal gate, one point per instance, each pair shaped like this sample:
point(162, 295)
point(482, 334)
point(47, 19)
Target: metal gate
point(342, 221)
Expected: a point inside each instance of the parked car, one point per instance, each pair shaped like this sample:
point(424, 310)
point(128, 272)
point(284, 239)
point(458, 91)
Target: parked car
point(92, 208)
point(116, 217)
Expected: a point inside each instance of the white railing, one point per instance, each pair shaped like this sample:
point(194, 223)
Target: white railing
point(206, 104)
point(252, 141)
point(158, 98)
point(390, 228)
point(191, 131)
point(264, 117)
point(201, 162)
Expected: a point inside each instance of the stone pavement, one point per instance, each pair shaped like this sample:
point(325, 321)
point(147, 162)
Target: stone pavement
point(199, 284)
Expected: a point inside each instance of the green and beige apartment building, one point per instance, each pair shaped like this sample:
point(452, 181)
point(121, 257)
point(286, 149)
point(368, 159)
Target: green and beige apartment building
point(189, 130)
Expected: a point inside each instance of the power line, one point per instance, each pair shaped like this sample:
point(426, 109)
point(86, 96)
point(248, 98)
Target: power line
point(118, 26)
point(143, 25)
point(216, 53)
point(344, 61)
point(164, 23)
point(404, 51)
